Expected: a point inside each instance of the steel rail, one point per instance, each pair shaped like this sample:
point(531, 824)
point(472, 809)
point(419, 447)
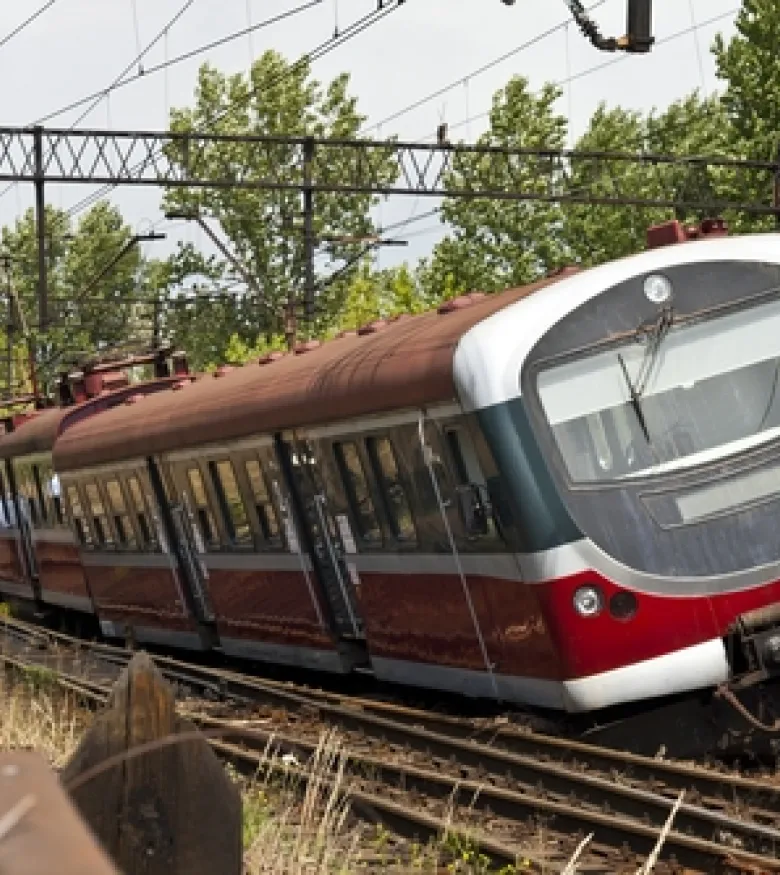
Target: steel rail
point(635, 814)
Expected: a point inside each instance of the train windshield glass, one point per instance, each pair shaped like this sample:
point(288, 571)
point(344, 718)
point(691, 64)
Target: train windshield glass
point(713, 390)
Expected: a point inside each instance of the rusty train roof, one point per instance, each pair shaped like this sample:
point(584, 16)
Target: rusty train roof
point(39, 433)
point(407, 363)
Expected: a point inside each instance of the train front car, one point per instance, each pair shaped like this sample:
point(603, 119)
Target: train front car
point(634, 411)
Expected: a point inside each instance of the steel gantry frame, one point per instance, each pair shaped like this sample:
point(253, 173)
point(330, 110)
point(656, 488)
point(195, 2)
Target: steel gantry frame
point(185, 160)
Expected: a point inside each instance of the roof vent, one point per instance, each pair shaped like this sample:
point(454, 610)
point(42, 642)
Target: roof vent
point(308, 346)
point(133, 399)
point(460, 303)
point(271, 357)
point(222, 370)
point(182, 384)
point(372, 327)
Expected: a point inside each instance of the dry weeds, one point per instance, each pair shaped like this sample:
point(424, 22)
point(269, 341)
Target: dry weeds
point(296, 816)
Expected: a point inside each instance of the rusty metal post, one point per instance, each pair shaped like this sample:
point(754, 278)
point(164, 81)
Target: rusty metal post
point(40, 227)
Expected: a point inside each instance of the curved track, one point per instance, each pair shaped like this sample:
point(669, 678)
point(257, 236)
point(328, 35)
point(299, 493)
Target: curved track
point(414, 770)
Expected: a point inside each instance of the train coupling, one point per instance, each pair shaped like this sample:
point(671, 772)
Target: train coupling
point(753, 646)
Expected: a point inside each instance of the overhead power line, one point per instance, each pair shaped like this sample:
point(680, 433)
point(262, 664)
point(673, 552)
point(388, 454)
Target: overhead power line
point(597, 68)
point(324, 48)
point(440, 92)
point(28, 21)
point(165, 65)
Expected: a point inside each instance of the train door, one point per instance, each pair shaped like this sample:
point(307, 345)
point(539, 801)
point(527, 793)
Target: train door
point(320, 533)
point(23, 487)
point(187, 543)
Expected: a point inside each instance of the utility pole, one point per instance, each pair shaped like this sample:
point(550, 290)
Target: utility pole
point(10, 326)
point(40, 228)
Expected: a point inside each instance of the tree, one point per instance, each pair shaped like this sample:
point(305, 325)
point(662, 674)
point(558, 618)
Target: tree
point(264, 227)
point(692, 126)
point(750, 66)
point(91, 304)
point(495, 244)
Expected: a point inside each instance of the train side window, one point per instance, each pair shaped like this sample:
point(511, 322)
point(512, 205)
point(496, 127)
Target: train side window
point(396, 501)
point(139, 506)
point(77, 515)
point(223, 476)
point(118, 508)
point(202, 509)
point(46, 514)
point(353, 476)
point(25, 488)
point(5, 516)
point(266, 513)
point(99, 517)
point(471, 491)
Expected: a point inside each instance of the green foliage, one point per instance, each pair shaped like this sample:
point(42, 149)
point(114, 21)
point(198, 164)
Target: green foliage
point(495, 244)
point(264, 227)
point(692, 126)
point(89, 307)
point(750, 66)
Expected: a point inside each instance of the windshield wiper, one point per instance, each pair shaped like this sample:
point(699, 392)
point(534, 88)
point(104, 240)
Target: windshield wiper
point(655, 337)
point(635, 402)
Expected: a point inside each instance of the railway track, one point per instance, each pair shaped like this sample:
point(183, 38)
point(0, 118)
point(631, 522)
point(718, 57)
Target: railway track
point(416, 771)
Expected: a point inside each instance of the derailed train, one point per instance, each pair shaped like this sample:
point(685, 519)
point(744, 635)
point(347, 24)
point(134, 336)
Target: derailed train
point(564, 495)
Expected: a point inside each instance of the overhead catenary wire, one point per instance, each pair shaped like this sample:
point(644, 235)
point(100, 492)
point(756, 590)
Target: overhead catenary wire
point(26, 23)
point(597, 68)
point(479, 71)
point(166, 64)
point(320, 51)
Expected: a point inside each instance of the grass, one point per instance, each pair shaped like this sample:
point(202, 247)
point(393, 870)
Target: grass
point(296, 817)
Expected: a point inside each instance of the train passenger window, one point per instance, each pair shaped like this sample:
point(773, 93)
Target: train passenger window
point(396, 501)
point(223, 476)
point(99, 517)
point(356, 485)
point(5, 517)
point(118, 508)
point(27, 494)
point(44, 512)
point(202, 509)
point(77, 515)
point(139, 506)
point(266, 513)
point(471, 489)
point(50, 489)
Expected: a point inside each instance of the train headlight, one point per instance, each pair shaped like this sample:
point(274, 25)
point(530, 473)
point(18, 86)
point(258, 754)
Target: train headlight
point(588, 601)
point(658, 289)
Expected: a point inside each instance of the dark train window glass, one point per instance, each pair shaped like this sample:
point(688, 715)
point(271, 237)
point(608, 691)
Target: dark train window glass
point(453, 444)
point(385, 465)
point(27, 494)
point(223, 476)
point(356, 485)
point(266, 513)
point(116, 500)
point(5, 517)
point(39, 474)
point(77, 515)
point(99, 517)
point(202, 509)
point(139, 506)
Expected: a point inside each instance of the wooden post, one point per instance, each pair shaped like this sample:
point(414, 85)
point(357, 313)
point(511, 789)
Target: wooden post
point(40, 830)
point(171, 810)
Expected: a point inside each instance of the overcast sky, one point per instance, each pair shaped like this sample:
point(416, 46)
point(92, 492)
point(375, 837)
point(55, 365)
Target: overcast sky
point(80, 46)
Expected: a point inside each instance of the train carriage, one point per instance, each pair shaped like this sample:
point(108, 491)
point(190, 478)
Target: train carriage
point(562, 495)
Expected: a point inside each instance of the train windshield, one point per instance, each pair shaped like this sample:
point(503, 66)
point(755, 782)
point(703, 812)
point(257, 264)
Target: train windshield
point(711, 390)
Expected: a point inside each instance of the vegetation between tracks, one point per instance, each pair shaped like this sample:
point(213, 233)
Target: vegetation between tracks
point(291, 825)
